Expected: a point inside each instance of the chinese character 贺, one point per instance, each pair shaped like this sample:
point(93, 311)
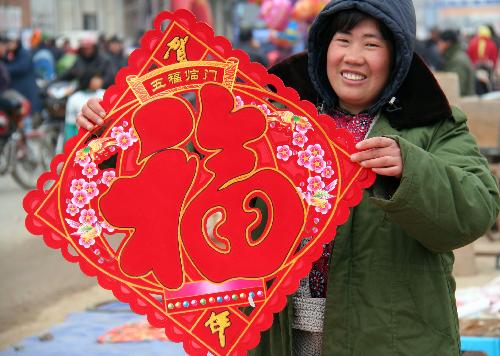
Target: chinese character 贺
point(178, 45)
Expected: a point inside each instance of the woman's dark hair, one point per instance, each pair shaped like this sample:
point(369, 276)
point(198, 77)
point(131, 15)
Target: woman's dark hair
point(346, 20)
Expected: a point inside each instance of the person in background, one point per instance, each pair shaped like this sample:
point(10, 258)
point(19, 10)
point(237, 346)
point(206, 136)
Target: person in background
point(482, 50)
point(456, 60)
point(384, 286)
point(43, 58)
point(90, 86)
point(115, 52)
point(67, 59)
point(250, 46)
point(19, 64)
point(483, 53)
point(90, 58)
point(426, 47)
point(5, 104)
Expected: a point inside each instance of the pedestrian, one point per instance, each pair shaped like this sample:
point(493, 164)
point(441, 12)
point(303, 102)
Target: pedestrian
point(90, 86)
point(43, 58)
point(115, 51)
point(456, 60)
point(19, 64)
point(247, 43)
point(483, 52)
point(426, 48)
point(385, 286)
point(91, 58)
point(482, 49)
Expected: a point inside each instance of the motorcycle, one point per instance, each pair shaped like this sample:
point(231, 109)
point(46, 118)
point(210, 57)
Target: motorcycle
point(54, 97)
point(20, 149)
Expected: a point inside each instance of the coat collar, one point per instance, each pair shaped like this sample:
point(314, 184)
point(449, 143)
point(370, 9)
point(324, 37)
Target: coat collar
point(419, 101)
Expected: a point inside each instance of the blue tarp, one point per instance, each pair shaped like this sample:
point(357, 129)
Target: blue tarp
point(77, 336)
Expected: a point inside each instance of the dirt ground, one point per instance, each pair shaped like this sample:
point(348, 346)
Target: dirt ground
point(55, 313)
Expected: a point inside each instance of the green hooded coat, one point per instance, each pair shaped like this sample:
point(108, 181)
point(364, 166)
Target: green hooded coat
point(390, 286)
point(456, 60)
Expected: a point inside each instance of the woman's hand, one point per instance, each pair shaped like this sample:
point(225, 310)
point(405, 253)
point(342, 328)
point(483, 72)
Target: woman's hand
point(92, 114)
point(381, 154)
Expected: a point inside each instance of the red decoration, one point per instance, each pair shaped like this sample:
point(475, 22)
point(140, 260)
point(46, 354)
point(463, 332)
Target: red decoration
point(205, 242)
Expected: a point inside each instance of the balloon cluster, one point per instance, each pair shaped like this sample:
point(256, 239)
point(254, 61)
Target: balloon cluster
point(306, 10)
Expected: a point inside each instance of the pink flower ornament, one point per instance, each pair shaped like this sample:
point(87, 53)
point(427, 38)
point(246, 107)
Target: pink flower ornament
point(72, 209)
point(304, 159)
point(80, 198)
point(327, 172)
point(116, 131)
point(284, 152)
point(323, 208)
point(82, 158)
point(316, 150)
point(239, 101)
point(317, 164)
point(108, 177)
point(77, 185)
point(86, 242)
point(124, 140)
point(314, 184)
point(87, 216)
point(90, 170)
point(303, 126)
point(299, 139)
point(91, 189)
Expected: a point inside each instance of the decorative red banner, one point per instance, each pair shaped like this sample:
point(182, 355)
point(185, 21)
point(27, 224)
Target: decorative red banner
point(192, 203)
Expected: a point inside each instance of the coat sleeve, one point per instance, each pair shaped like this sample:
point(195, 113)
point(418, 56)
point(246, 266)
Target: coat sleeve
point(447, 196)
point(22, 64)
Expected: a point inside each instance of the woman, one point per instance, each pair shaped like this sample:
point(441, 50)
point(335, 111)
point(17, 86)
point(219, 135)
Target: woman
point(386, 287)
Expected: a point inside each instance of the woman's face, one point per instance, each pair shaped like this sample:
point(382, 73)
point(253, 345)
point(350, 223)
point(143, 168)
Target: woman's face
point(358, 65)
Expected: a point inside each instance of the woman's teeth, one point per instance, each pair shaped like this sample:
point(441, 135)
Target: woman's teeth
point(353, 76)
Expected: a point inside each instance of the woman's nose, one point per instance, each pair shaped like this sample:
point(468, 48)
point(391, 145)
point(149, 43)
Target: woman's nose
point(354, 56)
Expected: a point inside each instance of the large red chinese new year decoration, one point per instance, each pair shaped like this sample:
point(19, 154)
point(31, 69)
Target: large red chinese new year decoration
point(192, 203)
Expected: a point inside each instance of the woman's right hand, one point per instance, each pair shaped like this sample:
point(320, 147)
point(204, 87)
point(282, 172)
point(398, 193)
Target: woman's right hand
point(92, 114)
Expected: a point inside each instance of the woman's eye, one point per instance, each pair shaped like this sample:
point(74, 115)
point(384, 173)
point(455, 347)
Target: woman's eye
point(342, 40)
point(372, 45)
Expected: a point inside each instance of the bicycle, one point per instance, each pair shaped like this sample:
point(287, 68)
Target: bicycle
point(21, 152)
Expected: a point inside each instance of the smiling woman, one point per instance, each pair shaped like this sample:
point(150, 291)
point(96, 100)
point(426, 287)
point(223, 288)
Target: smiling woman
point(386, 286)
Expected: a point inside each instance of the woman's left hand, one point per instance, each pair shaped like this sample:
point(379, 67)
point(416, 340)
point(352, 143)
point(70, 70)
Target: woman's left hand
point(381, 154)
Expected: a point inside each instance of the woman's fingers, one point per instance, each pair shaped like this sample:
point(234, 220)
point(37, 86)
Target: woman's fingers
point(92, 114)
point(380, 154)
point(375, 142)
point(95, 105)
point(380, 162)
point(81, 121)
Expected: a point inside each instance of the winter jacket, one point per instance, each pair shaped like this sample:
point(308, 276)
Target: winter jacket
point(98, 63)
point(390, 286)
point(22, 77)
point(456, 60)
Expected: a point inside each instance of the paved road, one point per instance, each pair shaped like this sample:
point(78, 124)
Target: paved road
point(33, 276)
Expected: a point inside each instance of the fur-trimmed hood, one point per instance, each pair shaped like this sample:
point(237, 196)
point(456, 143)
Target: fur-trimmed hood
point(399, 18)
point(420, 100)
